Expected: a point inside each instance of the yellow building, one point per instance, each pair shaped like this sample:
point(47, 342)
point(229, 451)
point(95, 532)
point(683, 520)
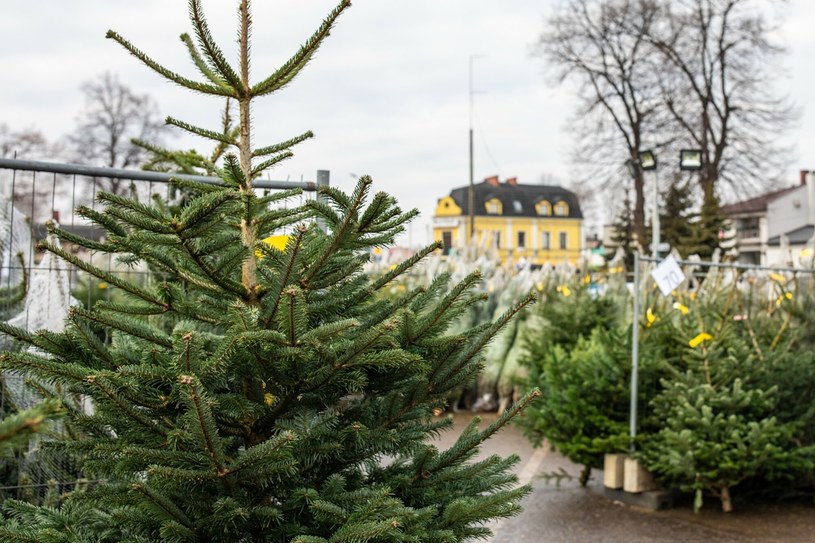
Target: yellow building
point(538, 224)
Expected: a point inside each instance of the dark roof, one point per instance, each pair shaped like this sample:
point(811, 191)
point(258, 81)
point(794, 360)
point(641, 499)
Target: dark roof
point(799, 236)
point(509, 193)
point(757, 204)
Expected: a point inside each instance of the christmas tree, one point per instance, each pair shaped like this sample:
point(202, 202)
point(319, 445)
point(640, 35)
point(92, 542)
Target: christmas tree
point(256, 394)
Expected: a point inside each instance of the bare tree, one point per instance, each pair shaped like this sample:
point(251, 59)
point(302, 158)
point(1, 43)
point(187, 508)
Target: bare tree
point(29, 144)
point(720, 67)
point(603, 46)
point(114, 116)
point(674, 74)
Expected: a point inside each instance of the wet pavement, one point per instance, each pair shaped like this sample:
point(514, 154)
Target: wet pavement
point(571, 513)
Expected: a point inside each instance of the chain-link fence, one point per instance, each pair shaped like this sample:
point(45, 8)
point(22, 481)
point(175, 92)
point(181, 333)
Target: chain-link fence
point(37, 289)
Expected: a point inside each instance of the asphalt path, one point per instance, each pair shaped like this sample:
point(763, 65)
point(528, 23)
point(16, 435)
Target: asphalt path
point(567, 512)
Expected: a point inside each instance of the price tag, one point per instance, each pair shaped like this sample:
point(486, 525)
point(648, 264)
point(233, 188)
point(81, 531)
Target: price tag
point(668, 275)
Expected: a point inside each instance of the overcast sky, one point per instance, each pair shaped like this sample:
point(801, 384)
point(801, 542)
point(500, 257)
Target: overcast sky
point(387, 95)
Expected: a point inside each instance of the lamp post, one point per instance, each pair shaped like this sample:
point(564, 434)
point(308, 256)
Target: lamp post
point(689, 160)
point(648, 162)
point(471, 190)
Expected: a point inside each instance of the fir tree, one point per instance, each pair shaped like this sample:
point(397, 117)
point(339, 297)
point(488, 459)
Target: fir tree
point(675, 221)
point(254, 394)
point(577, 355)
point(623, 234)
point(707, 233)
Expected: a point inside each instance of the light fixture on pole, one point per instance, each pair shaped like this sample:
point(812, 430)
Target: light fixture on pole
point(648, 162)
point(690, 159)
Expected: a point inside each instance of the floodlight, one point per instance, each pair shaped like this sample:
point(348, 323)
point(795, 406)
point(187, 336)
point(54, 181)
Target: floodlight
point(690, 159)
point(648, 161)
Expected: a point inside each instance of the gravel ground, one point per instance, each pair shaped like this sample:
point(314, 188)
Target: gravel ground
point(570, 513)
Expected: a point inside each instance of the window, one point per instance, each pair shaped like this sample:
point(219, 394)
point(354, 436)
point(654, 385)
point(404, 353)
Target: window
point(563, 240)
point(493, 206)
point(496, 238)
point(545, 241)
point(747, 228)
point(543, 208)
point(517, 207)
point(447, 240)
point(521, 240)
point(561, 209)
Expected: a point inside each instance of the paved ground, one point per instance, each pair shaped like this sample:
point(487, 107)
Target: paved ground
point(574, 514)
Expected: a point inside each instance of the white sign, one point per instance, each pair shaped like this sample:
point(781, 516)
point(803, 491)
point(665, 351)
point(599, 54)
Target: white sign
point(668, 275)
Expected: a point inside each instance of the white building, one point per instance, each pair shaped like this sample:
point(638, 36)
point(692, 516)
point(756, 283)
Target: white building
point(776, 228)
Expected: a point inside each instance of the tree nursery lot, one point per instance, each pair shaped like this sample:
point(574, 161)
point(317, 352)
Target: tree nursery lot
point(569, 512)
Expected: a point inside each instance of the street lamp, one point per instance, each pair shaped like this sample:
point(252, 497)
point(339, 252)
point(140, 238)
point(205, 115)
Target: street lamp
point(471, 189)
point(689, 160)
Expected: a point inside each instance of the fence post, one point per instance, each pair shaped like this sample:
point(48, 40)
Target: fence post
point(635, 349)
point(323, 180)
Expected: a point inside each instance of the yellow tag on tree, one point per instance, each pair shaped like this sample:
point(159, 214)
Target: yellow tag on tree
point(278, 242)
point(695, 342)
point(681, 308)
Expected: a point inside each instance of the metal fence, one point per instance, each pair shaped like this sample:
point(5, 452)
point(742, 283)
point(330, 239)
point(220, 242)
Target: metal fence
point(639, 261)
point(37, 289)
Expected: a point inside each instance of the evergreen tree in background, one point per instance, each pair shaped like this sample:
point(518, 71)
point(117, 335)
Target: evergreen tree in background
point(675, 221)
point(252, 394)
point(707, 233)
point(623, 234)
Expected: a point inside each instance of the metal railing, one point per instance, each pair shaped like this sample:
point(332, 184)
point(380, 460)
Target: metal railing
point(637, 310)
point(31, 194)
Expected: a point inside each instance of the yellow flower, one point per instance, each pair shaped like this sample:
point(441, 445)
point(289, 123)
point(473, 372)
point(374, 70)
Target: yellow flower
point(586, 279)
point(269, 398)
point(682, 308)
point(539, 286)
point(565, 290)
point(650, 318)
point(103, 285)
point(778, 278)
point(780, 300)
point(695, 342)
point(806, 252)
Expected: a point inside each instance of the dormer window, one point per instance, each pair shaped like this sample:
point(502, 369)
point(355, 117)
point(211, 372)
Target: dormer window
point(493, 206)
point(543, 208)
point(517, 207)
point(561, 209)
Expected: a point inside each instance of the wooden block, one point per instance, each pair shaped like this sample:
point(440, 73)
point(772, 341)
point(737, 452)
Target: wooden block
point(636, 478)
point(613, 470)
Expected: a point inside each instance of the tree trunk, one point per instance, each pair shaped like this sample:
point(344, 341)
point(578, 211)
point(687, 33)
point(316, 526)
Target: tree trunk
point(727, 504)
point(585, 475)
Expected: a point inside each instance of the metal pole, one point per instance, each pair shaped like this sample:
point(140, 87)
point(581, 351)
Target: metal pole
point(471, 190)
point(323, 180)
point(655, 220)
point(635, 350)
point(140, 175)
point(471, 193)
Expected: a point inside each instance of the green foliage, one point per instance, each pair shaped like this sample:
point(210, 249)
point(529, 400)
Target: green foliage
point(257, 394)
point(704, 237)
point(624, 236)
point(583, 411)
point(734, 406)
point(676, 219)
point(578, 357)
